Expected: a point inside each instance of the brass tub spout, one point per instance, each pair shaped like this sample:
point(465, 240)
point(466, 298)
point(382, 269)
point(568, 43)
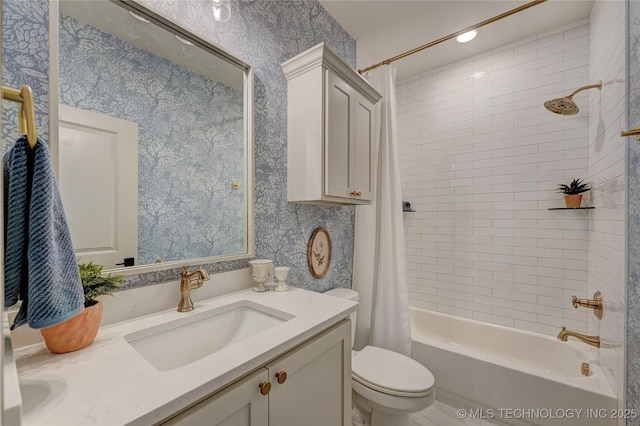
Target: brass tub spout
point(589, 340)
point(188, 283)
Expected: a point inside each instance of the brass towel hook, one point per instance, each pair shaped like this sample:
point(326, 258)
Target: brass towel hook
point(633, 132)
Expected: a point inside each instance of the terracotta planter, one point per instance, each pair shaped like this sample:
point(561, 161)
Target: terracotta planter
point(573, 201)
point(75, 333)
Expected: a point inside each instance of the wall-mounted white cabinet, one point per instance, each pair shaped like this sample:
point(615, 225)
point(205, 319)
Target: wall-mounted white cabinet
point(310, 385)
point(330, 129)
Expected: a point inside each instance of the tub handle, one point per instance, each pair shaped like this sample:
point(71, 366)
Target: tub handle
point(595, 304)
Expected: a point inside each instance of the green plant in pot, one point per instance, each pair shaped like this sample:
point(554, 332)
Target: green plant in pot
point(573, 192)
point(81, 330)
point(95, 284)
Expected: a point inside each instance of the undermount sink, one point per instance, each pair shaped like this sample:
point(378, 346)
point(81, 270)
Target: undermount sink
point(183, 341)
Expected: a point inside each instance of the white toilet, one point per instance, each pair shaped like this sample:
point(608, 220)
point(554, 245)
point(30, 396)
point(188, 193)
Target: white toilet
point(387, 386)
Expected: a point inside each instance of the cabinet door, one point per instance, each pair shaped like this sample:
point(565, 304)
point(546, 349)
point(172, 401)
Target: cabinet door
point(239, 405)
point(317, 388)
point(361, 167)
point(349, 132)
point(338, 136)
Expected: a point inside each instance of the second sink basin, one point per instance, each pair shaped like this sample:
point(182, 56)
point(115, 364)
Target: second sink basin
point(183, 341)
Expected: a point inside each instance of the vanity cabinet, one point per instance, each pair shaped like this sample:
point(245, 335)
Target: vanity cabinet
point(330, 128)
point(238, 405)
point(309, 385)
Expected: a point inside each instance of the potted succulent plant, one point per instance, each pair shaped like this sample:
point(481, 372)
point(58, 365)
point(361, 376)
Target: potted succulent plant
point(573, 192)
point(80, 331)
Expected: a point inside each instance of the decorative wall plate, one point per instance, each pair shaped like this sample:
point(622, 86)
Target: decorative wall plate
point(319, 252)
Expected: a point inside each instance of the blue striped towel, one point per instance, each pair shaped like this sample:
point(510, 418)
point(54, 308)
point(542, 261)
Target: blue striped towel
point(39, 261)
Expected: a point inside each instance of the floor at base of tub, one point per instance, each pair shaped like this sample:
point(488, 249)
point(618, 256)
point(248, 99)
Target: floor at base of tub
point(441, 414)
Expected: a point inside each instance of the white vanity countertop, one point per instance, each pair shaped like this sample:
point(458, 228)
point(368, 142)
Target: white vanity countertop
point(110, 383)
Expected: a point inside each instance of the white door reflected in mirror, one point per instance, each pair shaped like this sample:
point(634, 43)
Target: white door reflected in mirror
point(98, 173)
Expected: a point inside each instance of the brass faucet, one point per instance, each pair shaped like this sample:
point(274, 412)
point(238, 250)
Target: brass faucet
point(188, 283)
point(589, 340)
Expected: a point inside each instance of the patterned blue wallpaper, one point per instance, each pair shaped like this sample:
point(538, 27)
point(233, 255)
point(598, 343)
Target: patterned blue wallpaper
point(264, 33)
point(191, 139)
point(633, 154)
point(25, 60)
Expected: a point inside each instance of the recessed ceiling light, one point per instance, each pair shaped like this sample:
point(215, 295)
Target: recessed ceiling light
point(468, 36)
point(139, 18)
point(187, 42)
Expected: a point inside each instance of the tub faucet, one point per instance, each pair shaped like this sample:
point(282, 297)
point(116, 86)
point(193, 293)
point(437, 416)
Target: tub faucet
point(589, 340)
point(188, 283)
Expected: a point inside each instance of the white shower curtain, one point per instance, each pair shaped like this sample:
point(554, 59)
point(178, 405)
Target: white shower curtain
point(390, 304)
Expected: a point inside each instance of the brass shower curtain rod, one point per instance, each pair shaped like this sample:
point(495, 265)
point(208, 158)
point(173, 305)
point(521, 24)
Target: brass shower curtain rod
point(450, 36)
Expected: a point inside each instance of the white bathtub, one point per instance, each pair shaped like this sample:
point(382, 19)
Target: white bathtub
point(509, 375)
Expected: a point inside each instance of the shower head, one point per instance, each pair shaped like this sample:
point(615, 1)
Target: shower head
point(562, 106)
point(566, 105)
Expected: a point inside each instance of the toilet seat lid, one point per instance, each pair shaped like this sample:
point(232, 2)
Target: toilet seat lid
point(390, 372)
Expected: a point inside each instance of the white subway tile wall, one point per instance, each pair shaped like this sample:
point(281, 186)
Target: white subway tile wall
point(607, 171)
point(480, 162)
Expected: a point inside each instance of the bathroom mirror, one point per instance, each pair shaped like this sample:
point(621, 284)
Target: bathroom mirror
point(155, 140)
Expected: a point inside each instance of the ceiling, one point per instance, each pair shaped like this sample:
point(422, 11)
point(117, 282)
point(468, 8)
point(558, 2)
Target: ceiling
point(386, 28)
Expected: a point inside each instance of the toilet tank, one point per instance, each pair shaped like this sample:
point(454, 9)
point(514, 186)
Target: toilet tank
point(347, 293)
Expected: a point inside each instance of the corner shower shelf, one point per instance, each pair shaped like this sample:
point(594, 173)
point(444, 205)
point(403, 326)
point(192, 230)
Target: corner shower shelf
point(571, 208)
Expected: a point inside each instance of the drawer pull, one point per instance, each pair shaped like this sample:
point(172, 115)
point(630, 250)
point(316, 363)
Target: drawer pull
point(281, 376)
point(356, 193)
point(265, 388)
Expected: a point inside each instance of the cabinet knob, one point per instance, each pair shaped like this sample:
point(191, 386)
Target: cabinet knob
point(356, 193)
point(281, 376)
point(265, 388)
